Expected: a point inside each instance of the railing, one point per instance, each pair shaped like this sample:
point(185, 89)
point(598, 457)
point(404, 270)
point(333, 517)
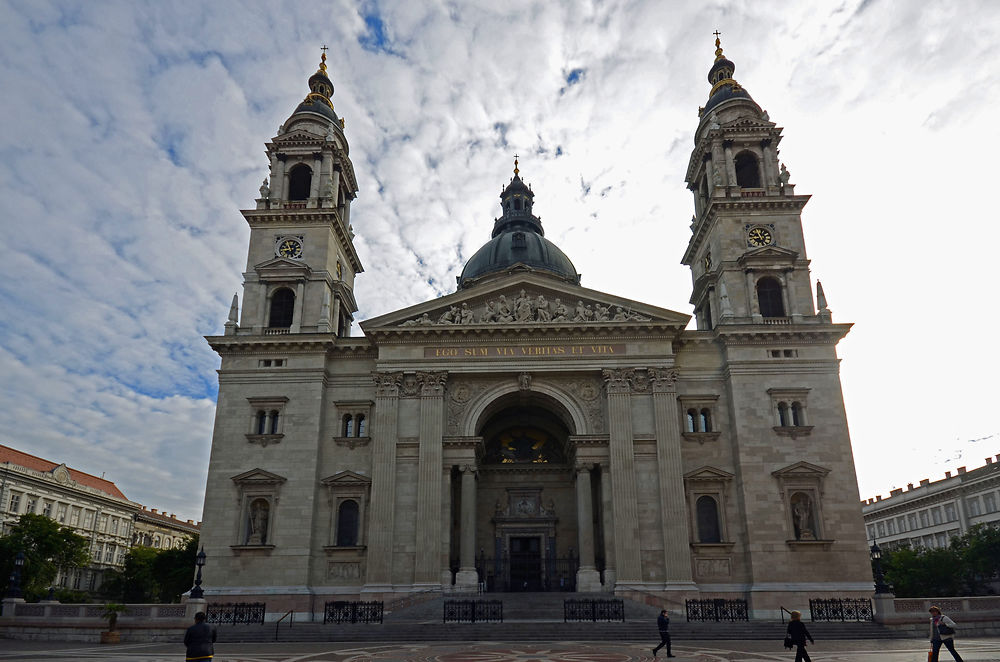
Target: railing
point(783, 612)
point(353, 612)
point(753, 193)
point(277, 331)
point(235, 613)
point(291, 618)
point(717, 610)
point(593, 610)
point(473, 611)
point(84, 614)
point(840, 609)
point(777, 321)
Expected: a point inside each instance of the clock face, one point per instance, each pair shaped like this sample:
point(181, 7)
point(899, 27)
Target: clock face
point(288, 248)
point(759, 237)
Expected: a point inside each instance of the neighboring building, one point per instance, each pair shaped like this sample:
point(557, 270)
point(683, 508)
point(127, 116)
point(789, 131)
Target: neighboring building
point(161, 531)
point(931, 514)
point(524, 431)
point(93, 507)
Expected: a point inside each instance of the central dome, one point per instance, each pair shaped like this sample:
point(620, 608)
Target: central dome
point(518, 239)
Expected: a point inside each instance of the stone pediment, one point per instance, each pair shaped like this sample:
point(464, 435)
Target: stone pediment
point(282, 268)
point(526, 300)
point(707, 473)
point(258, 477)
point(768, 255)
point(346, 478)
point(801, 470)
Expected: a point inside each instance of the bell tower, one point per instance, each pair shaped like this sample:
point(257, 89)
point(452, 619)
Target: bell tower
point(747, 253)
point(302, 262)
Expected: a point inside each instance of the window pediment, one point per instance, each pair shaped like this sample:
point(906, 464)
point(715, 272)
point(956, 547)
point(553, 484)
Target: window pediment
point(346, 479)
point(258, 477)
point(282, 269)
point(801, 470)
point(707, 473)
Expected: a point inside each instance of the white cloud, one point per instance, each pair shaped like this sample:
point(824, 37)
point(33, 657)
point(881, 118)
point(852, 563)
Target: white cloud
point(136, 131)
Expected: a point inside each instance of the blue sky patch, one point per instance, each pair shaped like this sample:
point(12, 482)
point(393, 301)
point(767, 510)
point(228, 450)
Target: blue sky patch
point(374, 38)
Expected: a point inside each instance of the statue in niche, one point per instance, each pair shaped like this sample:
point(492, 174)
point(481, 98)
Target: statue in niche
point(542, 309)
point(259, 511)
point(784, 176)
point(601, 313)
point(560, 313)
point(490, 314)
point(467, 316)
point(803, 517)
point(524, 381)
point(265, 190)
point(504, 314)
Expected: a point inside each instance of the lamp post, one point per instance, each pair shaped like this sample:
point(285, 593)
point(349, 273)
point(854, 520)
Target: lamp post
point(880, 585)
point(199, 560)
point(14, 590)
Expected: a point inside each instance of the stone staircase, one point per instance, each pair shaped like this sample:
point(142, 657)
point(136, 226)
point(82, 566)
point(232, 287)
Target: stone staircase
point(535, 617)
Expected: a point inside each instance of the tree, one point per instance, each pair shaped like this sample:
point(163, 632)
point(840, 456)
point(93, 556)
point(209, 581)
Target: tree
point(152, 575)
point(47, 548)
point(970, 565)
point(980, 551)
point(175, 568)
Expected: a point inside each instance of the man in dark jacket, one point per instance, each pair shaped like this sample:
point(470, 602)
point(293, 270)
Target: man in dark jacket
point(797, 634)
point(199, 639)
point(663, 625)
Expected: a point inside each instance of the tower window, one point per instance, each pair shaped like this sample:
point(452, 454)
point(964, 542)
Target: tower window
point(299, 182)
point(362, 425)
point(692, 420)
point(261, 422)
point(747, 171)
point(798, 417)
point(282, 308)
point(782, 414)
point(707, 511)
point(517, 240)
point(705, 418)
point(274, 423)
point(517, 204)
point(348, 425)
point(769, 297)
point(347, 524)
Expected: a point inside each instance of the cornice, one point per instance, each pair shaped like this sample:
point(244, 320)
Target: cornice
point(519, 333)
point(759, 334)
point(254, 345)
point(309, 216)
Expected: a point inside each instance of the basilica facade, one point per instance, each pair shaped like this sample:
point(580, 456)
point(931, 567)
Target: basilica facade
point(526, 433)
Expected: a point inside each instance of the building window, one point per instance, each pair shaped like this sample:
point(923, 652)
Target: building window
point(708, 520)
point(61, 513)
point(924, 519)
point(282, 308)
point(747, 171)
point(973, 504)
point(769, 297)
point(790, 410)
point(32, 504)
point(47, 509)
point(347, 524)
point(949, 512)
point(348, 425)
point(912, 519)
point(114, 526)
point(15, 503)
point(881, 529)
point(990, 501)
point(74, 517)
point(267, 420)
point(103, 525)
point(362, 426)
point(901, 524)
point(890, 527)
point(109, 553)
point(936, 515)
point(299, 182)
point(699, 416)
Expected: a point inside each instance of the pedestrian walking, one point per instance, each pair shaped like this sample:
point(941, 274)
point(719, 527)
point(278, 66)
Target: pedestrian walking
point(199, 639)
point(797, 635)
point(663, 625)
point(942, 632)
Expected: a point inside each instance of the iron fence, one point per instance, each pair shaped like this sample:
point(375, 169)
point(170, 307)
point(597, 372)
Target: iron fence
point(717, 610)
point(235, 613)
point(593, 610)
point(342, 611)
point(840, 609)
point(473, 611)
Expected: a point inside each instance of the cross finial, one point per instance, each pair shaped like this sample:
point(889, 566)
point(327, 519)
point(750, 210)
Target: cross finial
point(717, 34)
point(325, 49)
point(515, 165)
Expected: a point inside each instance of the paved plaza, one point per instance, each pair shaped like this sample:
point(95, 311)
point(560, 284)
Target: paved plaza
point(979, 650)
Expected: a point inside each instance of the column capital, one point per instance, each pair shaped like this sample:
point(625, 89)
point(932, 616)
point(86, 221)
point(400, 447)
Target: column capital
point(583, 467)
point(663, 380)
point(387, 383)
point(468, 468)
point(432, 384)
point(618, 381)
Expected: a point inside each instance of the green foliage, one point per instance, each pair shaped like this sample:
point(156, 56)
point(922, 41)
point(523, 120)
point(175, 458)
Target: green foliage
point(47, 547)
point(968, 566)
point(152, 575)
point(110, 613)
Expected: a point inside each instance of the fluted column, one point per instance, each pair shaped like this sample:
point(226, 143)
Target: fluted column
point(670, 469)
point(587, 577)
point(427, 568)
point(467, 575)
point(383, 488)
point(622, 459)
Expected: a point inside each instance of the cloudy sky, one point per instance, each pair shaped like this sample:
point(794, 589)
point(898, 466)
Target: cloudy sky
point(133, 134)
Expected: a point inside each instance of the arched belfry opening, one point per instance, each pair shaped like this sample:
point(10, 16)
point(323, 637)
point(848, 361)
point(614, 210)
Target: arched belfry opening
point(526, 528)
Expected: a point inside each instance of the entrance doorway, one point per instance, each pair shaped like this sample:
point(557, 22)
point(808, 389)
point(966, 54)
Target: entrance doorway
point(526, 563)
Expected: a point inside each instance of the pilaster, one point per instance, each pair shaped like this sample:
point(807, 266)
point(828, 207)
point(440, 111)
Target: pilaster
point(383, 490)
point(622, 461)
point(467, 575)
point(427, 568)
point(587, 577)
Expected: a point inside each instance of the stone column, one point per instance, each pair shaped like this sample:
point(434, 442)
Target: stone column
point(444, 552)
point(336, 315)
point(727, 146)
point(623, 490)
point(467, 575)
point(770, 179)
point(670, 469)
point(335, 187)
point(587, 578)
point(383, 486)
point(300, 292)
point(718, 163)
point(427, 569)
point(262, 311)
point(314, 184)
point(754, 305)
point(607, 524)
point(279, 182)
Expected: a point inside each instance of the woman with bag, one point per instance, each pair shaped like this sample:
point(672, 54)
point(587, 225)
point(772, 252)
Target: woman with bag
point(942, 632)
point(797, 635)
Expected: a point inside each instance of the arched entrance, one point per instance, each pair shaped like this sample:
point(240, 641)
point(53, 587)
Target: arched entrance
point(526, 523)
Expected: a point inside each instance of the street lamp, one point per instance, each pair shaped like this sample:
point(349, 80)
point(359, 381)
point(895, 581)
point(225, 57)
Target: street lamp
point(880, 585)
point(14, 590)
point(199, 560)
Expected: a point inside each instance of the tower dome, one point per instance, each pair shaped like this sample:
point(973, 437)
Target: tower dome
point(517, 239)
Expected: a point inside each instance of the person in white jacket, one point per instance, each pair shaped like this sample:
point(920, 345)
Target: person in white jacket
point(942, 632)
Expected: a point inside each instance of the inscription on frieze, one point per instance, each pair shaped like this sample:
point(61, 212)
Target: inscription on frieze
point(523, 351)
